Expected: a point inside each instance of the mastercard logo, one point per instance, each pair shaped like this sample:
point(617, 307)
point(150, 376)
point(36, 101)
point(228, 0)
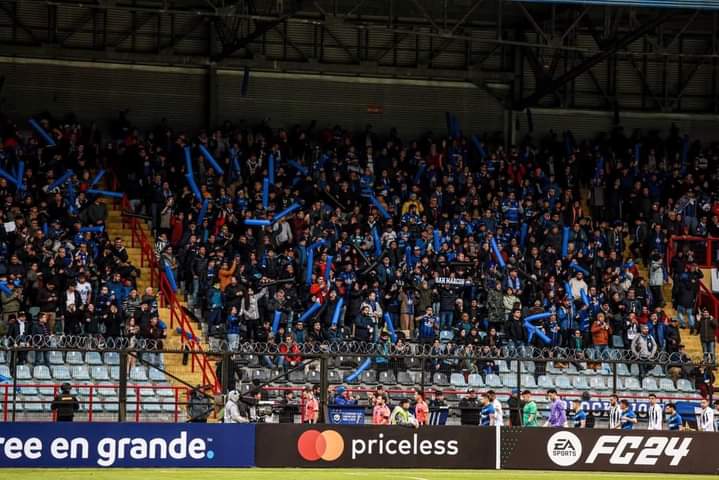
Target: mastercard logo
point(314, 445)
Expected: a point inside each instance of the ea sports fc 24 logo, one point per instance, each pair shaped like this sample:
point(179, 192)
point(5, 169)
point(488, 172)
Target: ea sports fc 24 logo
point(314, 445)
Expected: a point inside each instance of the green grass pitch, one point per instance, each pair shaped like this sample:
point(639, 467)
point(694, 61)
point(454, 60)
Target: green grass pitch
point(318, 474)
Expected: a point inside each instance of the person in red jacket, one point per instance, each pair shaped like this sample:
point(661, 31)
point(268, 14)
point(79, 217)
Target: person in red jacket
point(601, 331)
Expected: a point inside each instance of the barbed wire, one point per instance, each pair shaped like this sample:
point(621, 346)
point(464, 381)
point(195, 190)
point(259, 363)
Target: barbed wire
point(347, 348)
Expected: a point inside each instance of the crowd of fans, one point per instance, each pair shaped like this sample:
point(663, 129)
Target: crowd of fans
point(393, 238)
point(422, 259)
point(59, 273)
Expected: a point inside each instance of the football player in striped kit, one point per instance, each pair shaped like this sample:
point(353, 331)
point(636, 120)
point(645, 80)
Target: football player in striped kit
point(655, 413)
point(705, 422)
point(615, 413)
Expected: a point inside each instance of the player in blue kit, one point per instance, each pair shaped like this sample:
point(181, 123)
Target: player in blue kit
point(486, 415)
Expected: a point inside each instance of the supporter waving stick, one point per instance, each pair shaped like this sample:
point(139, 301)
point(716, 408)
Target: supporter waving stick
point(577, 268)
point(478, 145)
point(257, 222)
point(379, 207)
point(285, 212)
point(310, 312)
point(565, 242)
point(266, 193)
point(328, 268)
point(7, 176)
point(300, 169)
point(338, 311)
point(60, 181)
point(532, 329)
point(271, 168)
point(41, 131)
point(365, 365)
point(203, 212)
point(20, 175)
point(390, 326)
point(105, 193)
point(211, 160)
point(195, 190)
point(523, 230)
point(97, 178)
point(497, 253)
point(188, 161)
point(276, 321)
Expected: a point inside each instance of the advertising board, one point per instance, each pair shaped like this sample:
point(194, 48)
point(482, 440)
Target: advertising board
point(71, 445)
point(374, 446)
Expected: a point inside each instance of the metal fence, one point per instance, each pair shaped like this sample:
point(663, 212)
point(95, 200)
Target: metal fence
point(118, 390)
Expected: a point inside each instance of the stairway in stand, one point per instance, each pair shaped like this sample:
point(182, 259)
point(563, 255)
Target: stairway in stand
point(691, 342)
point(173, 362)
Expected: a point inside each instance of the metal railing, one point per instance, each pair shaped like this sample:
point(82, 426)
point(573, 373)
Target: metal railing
point(168, 298)
point(256, 367)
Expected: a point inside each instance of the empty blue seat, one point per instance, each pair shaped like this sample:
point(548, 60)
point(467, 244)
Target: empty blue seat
point(156, 375)
point(33, 404)
point(165, 392)
point(492, 380)
point(111, 358)
point(93, 358)
point(106, 392)
point(475, 380)
point(74, 358)
point(666, 385)
point(405, 378)
point(509, 380)
point(369, 377)
point(596, 382)
point(545, 381)
point(457, 380)
point(440, 379)
point(55, 358)
point(580, 383)
point(111, 404)
point(386, 378)
point(152, 407)
point(100, 374)
point(138, 374)
point(61, 372)
point(685, 385)
point(41, 372)
point(563, 382)
point(657, 371)
point(631, 383)
point(80, 373)
point(528, 367)
point(23, 372)
point(48, 389)
point(528, 381)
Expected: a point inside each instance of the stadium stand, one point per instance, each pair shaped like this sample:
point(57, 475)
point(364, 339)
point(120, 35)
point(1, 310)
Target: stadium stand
point(575, 257)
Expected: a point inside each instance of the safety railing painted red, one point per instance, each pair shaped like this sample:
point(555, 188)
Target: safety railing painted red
point(91, 398)
point(706, 298)
point(705, 254)
point(168, 298)
point(705, 249)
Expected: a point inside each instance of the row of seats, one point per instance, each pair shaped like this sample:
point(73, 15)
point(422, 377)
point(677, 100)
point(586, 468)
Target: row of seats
point(72, 358)
point(83, 373)
point(414, 363)
point(409, 378)
point(33, 403)
point(50, 389)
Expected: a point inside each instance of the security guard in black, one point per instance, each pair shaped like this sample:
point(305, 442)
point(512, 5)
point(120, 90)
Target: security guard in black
point(65, 404)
